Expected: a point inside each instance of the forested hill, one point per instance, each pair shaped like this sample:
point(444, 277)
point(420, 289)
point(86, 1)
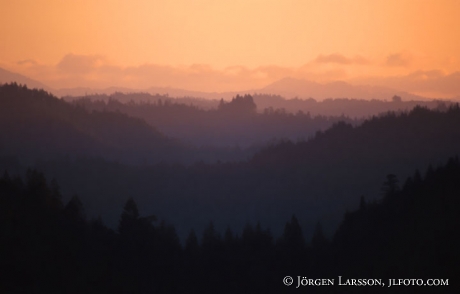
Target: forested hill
point(35, 125)
point(230, 123)
point(203, 122)
point(333, 106)
point(316, 180)
point(344, 162)
point(411, 232)
point(420, 133)
point(350, 107)
point(49, 247)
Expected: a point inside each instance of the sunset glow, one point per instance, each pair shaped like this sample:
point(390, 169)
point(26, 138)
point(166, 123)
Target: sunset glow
point(234, 45)
point(229, 146)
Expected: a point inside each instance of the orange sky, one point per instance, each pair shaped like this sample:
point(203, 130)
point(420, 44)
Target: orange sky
point(220, 45)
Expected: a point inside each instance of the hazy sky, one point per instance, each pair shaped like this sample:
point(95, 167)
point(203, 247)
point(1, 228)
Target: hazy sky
point(219, 45)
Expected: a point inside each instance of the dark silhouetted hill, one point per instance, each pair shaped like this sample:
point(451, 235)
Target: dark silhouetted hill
point(10, 77)
point(411, 231)
point(37, 126)
point(50, 246)
point(316, 180)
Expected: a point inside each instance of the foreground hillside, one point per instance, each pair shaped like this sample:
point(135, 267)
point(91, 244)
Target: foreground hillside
point(49, 247)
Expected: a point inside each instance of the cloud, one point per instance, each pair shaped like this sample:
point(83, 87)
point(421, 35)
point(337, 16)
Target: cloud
point(340, 59)
point(403, 59)
point(27, 62)
point(80, 64)
point(195, 77)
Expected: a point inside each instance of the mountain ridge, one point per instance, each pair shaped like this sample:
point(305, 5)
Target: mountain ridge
point(287, 87)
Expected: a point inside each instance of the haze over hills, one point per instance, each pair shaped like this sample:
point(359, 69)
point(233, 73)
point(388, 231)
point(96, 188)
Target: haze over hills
point(171, 92)
point(226, 124)
point(286, 87)
point(7, 76)
point(290, 88)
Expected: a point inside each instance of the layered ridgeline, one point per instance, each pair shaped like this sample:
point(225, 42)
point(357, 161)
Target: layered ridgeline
point(316, 179)
point(238, 122)
point(234, 123)
point(35, 125)
point(411, 234)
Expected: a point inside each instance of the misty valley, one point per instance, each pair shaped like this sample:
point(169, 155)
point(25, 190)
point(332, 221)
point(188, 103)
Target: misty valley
point(147, 193)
